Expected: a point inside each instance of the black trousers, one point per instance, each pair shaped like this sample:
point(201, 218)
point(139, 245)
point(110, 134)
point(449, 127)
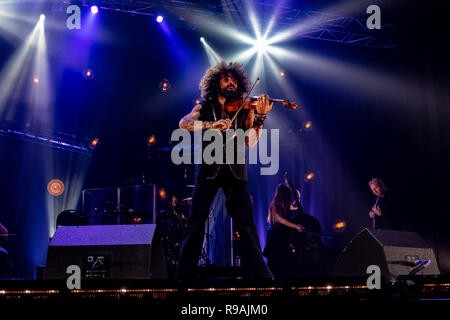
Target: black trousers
point(239, 207)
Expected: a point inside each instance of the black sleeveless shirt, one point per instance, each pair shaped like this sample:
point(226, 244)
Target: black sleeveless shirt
point(212, 111)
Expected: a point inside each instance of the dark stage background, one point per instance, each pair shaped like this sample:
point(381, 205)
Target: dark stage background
point(375, 112)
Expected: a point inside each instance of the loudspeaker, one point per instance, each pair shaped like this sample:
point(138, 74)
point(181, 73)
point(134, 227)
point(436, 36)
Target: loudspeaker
point(106, 252)
point(393, 251)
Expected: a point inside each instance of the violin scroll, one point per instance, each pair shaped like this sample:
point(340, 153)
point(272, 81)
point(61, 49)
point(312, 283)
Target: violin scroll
point(251, 105)
point(289, 105)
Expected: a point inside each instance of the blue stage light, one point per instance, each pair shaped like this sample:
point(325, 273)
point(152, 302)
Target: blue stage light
point(159, 19)
point(94, 9)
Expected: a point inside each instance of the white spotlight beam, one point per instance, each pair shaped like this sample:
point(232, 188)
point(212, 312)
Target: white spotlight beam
point(14, 26)
point(213, 56)
point(14, 69)
point(41, 95)
point(244, 56)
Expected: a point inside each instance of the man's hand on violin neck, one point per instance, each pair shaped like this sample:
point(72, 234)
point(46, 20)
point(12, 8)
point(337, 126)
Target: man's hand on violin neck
point(263, 105)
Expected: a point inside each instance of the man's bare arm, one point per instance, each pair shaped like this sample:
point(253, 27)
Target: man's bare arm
point(188, 121)
point(252, 138)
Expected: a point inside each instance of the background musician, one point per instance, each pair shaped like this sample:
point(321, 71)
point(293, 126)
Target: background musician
point(381, 211)
point(294, 247)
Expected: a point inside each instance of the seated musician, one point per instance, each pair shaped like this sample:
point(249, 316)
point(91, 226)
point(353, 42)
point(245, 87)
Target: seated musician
point(294, 247)
point(172, 227)
point(279, 234)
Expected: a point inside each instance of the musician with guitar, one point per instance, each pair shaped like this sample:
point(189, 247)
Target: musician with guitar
point(380, 214)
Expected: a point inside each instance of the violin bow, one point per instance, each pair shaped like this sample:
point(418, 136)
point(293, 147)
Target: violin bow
point(245, 99)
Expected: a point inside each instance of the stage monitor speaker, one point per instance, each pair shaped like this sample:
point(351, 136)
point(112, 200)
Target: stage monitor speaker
point(393, 251)
point(106, 252)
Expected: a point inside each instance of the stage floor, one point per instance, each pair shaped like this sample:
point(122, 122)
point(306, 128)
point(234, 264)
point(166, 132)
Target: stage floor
point(230, 296)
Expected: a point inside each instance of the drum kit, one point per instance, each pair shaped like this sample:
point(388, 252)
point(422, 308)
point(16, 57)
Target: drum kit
point(172, 225)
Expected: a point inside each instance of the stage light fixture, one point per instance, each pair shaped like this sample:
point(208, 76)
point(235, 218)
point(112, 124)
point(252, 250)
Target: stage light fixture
point(308, 126)
point(282, 73)
point(93, 144)
point(162, 193)
point(202, 39)
point(135, 220)
point(151, 140)
point(42, 17)
point(88, 74)
point(94, 9)
point(55, 187)
point(197, 101)
point(36, 79)
point(339, 225)
point(164, 85)
point(261, 45)
point(309, 176)
point(159, 19)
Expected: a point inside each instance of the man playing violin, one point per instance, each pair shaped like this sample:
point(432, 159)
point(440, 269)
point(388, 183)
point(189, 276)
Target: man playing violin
point(219, 86)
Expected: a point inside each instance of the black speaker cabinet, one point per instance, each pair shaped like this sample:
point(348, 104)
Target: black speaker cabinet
point(106, 252)
point(393, 251)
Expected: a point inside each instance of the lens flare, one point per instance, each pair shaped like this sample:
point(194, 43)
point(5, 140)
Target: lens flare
point(93, 144)
point(162, 193)
point(88, 74)
point(55, 187)
point(151, 140)
point(339, 225)
point(164, 85)
point(309, 176)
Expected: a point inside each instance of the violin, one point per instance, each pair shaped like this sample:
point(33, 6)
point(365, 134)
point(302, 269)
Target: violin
point(250, 104)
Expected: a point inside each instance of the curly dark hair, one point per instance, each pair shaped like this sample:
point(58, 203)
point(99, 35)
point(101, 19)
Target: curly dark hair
point(210, 83)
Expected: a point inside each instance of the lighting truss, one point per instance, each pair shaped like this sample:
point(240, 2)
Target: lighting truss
point(321, 25)
point(331, 27)
point(61, 141)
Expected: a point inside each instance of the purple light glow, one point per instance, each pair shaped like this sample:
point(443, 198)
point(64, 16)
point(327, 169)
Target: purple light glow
point(159, 19)
point(94, 9)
